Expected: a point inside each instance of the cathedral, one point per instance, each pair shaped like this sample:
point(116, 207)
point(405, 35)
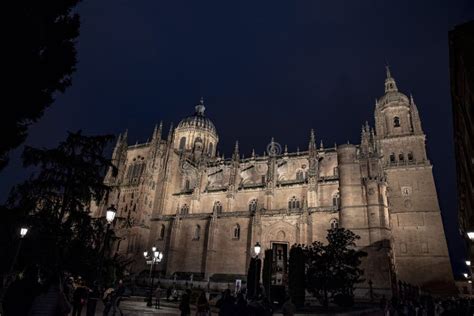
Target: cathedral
point(205, 212)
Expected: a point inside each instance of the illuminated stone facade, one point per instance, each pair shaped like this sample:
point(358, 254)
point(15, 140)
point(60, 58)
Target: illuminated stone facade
point(206, 212)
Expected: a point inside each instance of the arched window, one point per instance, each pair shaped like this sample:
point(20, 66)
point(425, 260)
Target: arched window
point(236, 234)
point(253, 205)
point(336, 200)
point(211, 148)
point(300, 175)
point(185, 209)
point(401, 157)
point(396, 121)
point(217, 207)
point(293, 203)
point(162, 232)
point(197, 232)
point(186, 184)
point(334, 223)
point(182, 143)
point(392, 158)
point(410, 156)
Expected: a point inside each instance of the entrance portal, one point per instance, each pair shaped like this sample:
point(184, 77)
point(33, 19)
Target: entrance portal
point(279, 272)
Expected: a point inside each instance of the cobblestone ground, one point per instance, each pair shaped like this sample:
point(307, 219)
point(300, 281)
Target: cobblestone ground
point(133, 308)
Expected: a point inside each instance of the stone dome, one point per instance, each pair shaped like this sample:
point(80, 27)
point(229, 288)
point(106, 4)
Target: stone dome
point(198, 120)
point(393, 96)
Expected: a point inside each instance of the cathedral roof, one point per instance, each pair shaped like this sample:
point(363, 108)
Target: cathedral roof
point(198, 119)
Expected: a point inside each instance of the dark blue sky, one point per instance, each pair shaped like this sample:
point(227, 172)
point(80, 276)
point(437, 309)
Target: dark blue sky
point(265, 68)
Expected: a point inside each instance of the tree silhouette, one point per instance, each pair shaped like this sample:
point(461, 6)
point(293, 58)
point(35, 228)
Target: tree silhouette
point(56, 202)
point(267, 272)
point(296, 275)
point(333, 268)
point(40, 58)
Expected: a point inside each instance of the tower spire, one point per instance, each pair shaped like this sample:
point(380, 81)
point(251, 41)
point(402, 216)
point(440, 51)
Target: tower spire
point(170, 133)
point(312, 141)
point(157, 131)
point(390, 84)
point(235, 156)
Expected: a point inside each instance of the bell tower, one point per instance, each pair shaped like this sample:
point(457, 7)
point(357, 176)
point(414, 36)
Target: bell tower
point(420, 248)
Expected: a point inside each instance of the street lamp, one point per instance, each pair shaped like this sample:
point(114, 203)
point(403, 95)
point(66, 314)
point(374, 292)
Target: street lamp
point(109, 217)
point(468, 263)
point(257, 248)
point(465, 275)
point(156, 257)
point(110, 214)
point(470, 234)
point(23, 232)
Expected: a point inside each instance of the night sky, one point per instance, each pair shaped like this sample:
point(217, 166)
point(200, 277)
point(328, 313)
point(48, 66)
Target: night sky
point(264, 68)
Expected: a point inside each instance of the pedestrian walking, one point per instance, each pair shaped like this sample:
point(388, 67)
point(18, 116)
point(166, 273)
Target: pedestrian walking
point(202, 306)
point(226, 304)
point(157, 297)
point(184, 304)
point(117, 297)
point(288, 308)
point(79, 298)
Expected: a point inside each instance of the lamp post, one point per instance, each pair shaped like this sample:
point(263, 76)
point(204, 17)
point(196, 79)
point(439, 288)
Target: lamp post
point(109, 216)
point(155, 257)
point(23, 232)
point(257, 248)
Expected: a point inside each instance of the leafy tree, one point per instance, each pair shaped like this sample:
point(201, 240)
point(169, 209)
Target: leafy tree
point(56, 202)
point(333, 268)
point(296, 275)
point(41, 58)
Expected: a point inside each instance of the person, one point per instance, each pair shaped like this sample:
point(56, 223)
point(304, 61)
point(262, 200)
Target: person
point(175, 295)
point(241, 305)
point(69, 288)
point(288, 308)
point(226, 304)
point(169, 291)
point(92, 299)
point(157, 297)
point(107, 298)
point(79, 298)
point(184, 304)
point(51, 301)
point(202, 306)
point(267, 306)
point(117, 297)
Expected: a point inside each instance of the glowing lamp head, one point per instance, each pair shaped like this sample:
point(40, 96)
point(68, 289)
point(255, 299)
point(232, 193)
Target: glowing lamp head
point(110, 214)
point(468, 263)
point(470, 234)
point(145, 254)
point(23, 232)
point(153, 249)
point(257, 248)
point(465, 275)
point(156, 254)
